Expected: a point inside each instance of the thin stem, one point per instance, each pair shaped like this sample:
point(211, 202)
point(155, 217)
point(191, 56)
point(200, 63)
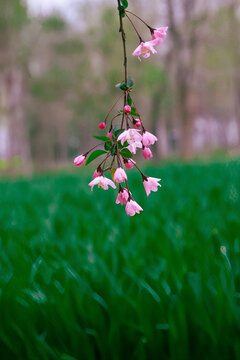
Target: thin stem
point(115, 103)
point(121, 30)
point(143, 176)
point(104, 161)
point(139, 116)
point(93, 148)
point(150, 28)
point(141, 40)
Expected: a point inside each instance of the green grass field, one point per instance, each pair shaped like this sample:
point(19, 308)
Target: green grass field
point(81, 280)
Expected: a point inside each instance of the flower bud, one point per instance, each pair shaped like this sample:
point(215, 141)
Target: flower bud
point(102, 125)
point(147, 154)
point(79, 160)
point(138, 123)
point(109, 135)
point(127, 109)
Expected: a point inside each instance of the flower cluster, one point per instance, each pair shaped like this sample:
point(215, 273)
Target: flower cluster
point(124, 139)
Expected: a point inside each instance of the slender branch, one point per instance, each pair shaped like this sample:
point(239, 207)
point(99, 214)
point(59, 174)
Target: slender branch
point(144, 22)
point(121, 30)
point(93, 148)
point(115, 103)
point(141, 40)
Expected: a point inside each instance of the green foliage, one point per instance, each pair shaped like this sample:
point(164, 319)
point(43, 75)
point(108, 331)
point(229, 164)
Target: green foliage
point(53, 23)
point(81, 280)
point(13, 15)
point(103, 138)
point(52, 85)
point(129, 100)
point(69, 47)
point(126, 153)
point(94, 155)
point(130, 81)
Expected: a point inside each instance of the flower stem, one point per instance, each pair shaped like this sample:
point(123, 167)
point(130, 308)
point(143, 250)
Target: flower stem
point(144, 22)
point(93, 148)
point(113, 106)
point(141, 40)
point(121, 30)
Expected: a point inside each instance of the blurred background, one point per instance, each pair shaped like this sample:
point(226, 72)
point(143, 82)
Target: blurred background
point(60, 61)
point(80, 280)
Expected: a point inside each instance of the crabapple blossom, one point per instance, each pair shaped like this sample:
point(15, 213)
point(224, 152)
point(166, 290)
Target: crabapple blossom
point(131, 136)
point(132, 208)
point(102, 125)
point(147, 153)
point(123, 196)
point(129, 133)
point(159, 34)
point(129, 164)
point(148, 138)
point(127, 109)
point(119, 175)
point(145, 49)
point(133, 147)
point(102, 182)
point(151, 184)
point(79, 160)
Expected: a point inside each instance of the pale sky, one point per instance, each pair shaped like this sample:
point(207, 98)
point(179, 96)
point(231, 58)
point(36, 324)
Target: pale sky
point(67, 8)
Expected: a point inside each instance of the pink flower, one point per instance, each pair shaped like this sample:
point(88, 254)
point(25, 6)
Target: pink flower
point(102, 182)
point(131, 136)
point(132, 208)
point(133, 147)
point(96, 174)
point(120, 175)
point(145, 49)
point(138, 123)
point(151, 184)
point(102, 125)
point(79, 160)
point(122, 197)
point(129, 163)
point(159, 34)
point(109, 135)
point(147, 154)
point(148, 138)
point(127, 109)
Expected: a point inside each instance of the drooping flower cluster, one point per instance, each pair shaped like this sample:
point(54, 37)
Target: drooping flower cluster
point(124, 139)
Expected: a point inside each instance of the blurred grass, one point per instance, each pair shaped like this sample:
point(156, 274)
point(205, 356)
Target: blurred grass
point(81, 280)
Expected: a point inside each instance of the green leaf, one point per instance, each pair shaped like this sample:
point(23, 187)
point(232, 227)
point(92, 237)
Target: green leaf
point(130, 81)
point(133, 112)
point(124, 3)
point(129, 100)
point(95, 154)
point(103, 138)
point(116, 133)
point(113, 150)
point(122, 146)
point(108, 145)
point(126, 153)
point(121, 11)
point(123, 86)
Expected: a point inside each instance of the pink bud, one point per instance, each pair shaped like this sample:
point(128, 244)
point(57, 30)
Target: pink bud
point(79, 160)
point(127, 109)
point(147, 154)
point(96, 174)
point(129, 164)
point(138, 123)
point(102, 125)
point(109, 135)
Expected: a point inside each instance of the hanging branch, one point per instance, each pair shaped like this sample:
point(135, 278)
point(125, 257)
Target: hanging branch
point(121, 143)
